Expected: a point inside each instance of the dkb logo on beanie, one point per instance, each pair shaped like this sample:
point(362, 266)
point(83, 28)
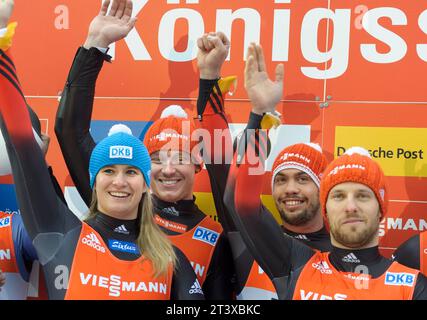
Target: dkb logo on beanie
point(124, 152)
point(120, 148)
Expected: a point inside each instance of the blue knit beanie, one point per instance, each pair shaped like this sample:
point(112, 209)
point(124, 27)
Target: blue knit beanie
point(120, 147)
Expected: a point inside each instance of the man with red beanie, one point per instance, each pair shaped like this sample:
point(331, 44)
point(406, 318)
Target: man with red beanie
point(176, 159)
point(353, 196)
point(295, 183)
point(413, 252)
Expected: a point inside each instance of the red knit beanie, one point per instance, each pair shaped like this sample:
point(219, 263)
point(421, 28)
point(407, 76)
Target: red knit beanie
point(355, 165)
point(173, 131)
point(307, 157)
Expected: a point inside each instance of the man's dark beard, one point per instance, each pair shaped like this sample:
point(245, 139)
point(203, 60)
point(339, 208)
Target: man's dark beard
point(301, 219)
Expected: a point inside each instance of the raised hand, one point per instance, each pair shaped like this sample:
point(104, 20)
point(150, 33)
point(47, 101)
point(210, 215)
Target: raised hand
point(106, 29)
point(6, 8)
point(213, 50)
point(263, 93)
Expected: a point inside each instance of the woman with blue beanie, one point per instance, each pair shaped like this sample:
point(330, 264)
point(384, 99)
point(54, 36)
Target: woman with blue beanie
point(192, 230)
point(119, 252)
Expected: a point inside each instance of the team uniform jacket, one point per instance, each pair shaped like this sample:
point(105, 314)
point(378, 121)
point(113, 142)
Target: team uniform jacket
point(97, 274)
point(206, 233)
point(320, 280)
point(259, 287)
